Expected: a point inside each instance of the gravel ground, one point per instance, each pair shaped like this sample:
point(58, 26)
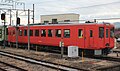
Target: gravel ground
point(118, 45)
point(24, 65)
point(55, 58)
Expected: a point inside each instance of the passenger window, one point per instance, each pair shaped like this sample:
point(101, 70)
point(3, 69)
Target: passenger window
point(101, 32)
point(6, 31)
point(112, 32)
point(91, 33)
point(50, 33)
point(25, 32)
point(20, 32)
point(43, 33)
point(67, 33)
point(106, 33)
point(80, 33)
point(36, 32)
point(31, 32)
point(13, 32)
point(58, 33)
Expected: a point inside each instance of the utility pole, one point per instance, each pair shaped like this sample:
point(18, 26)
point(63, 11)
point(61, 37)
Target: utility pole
point(28, 30)
point(10, 17)
point(16, 30)
point(33, 13)
point(4, 32)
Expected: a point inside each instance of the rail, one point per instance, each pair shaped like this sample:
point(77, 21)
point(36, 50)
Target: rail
point(44, 63)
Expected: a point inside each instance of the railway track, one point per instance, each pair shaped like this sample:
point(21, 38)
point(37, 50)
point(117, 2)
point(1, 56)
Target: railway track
point(106, 58)
point(8, 67)
point(44, 63)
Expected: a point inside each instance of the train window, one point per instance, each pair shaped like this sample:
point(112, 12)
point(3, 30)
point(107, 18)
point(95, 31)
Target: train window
point(36, 32)
point(80, 33)
point(101, 32)
point(13, 32)
point(112, 32)
point(67, 33)
point(50, 33)
point(91, 33)
point(25, 32)
point(106, 33)
point(58, 33)
point(20, 32)
point(43, 33)
point(6, 31)
point(31, 32)
point(0, 33)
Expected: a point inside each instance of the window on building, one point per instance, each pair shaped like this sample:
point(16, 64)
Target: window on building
point(106, 33)
point(20, 32)
point(58, 33)
point(36, 32)
point(50, 33)
point(112, 32)
point(91, 33)
point(31, 32)
point(67, 33)
point(54, 21)
point(101, 32)
point(46, 21)
point(66, 20)
point(25, 32)
point(80, 33)
point(43, 33)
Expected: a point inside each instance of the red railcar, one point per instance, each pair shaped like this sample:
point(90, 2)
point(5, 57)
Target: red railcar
point(88, 37)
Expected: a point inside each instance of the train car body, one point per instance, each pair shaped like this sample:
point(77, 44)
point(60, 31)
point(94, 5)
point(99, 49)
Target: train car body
point(90, 37)
point(2, 36)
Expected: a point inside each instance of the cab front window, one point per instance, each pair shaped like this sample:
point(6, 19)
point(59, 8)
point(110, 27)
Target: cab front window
point(112, 32)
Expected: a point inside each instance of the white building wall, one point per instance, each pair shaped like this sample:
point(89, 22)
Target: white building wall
point(60, 17)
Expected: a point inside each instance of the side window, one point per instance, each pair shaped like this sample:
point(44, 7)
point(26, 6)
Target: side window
point(50, 33)
point(58, 33)
point(20, 32)
point(67, 33)
point(80, 33)
point(31, 32)
point(13, 32)
point(106, 33)
point(91, 33)
point(43, 33)
point(112, 32)
point(36, 32)
point(101, 32)
point(6, 31)
point(25, 32)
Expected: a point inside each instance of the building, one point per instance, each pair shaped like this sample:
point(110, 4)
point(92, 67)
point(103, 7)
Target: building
point(57, 18)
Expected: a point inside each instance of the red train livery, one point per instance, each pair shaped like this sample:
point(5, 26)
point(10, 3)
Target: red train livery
point(88, 37)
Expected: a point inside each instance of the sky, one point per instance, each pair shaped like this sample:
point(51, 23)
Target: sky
point(87, 9)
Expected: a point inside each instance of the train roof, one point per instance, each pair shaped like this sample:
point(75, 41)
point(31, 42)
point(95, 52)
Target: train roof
point(64, 24)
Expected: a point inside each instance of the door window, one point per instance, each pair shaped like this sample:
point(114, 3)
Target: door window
point(91, 33)
point(106, 33)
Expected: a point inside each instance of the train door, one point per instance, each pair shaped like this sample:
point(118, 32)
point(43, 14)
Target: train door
point(101, 37)
point(91, 38)
point(81, 37)
point(107, 37)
